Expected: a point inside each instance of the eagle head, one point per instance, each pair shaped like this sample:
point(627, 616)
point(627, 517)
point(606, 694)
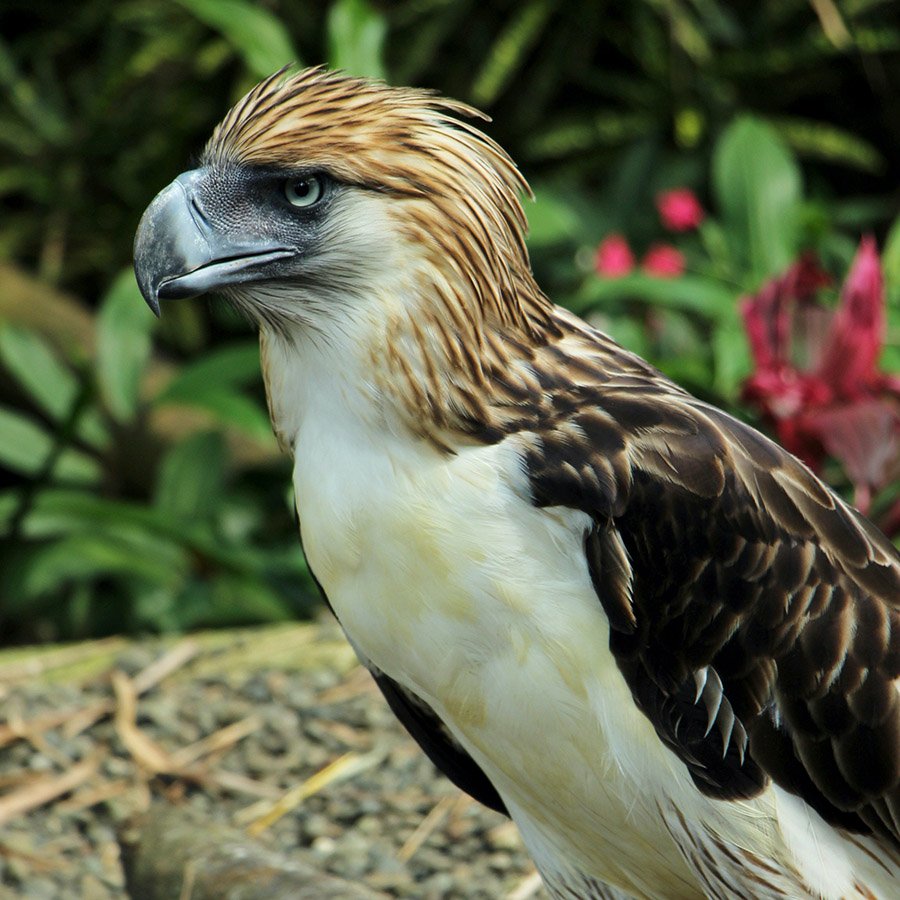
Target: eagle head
point(320, 194)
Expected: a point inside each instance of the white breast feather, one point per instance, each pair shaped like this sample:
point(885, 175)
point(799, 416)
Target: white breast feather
point(446, 577)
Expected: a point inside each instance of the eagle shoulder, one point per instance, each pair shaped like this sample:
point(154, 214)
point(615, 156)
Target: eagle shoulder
point(752, 613)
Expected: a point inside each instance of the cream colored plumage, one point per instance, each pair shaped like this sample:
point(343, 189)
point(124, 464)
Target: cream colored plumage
point(647, 633)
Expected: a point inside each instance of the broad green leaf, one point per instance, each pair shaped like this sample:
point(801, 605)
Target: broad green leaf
point(52, 385)
point(628, 331)
point(229, 601)
point(255, 33)
point(356, 34)
point(58, 512)
point(25, 447)
point(758, 187)
point(82, 556)
point(690, 293)
point(191, 476)
point(77, 468)
point(731, 357)
point(235, 365)
point(48, 382)
point(551, 219)
point(157, 608)
point(123, 345)
point(231, 408)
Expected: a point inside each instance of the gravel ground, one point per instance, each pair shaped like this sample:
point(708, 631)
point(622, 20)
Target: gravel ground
point(228, 727)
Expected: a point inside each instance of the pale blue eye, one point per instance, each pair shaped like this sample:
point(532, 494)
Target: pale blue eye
point(304, 191)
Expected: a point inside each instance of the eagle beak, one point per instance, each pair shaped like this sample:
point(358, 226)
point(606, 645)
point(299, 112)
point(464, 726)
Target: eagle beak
point(180, 253)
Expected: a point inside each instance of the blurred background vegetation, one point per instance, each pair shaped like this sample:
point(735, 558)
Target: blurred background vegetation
point(140, 486)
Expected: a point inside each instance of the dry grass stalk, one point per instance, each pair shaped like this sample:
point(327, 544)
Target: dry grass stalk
point(16, 728)
point(181, 654)
point(92, 795)
point(455, 825)
point(527, 888)
point(429, 824)
point(144, 750)
point(356, 684)
point(40, 660)
point(241, 784)
point(172, 660)
point(217, 742)
point(44, 790)
point(262, 815)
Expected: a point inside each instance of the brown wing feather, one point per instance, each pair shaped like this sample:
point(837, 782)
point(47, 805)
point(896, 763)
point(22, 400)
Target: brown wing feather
point(755, 616)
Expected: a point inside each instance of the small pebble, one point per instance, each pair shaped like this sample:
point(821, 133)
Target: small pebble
point(353, 828)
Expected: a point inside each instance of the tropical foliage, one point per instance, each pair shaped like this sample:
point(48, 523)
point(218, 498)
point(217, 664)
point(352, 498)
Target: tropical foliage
point(685, 154)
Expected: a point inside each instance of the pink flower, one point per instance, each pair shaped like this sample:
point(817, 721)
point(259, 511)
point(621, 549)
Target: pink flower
point(663, 261)
point(613, 257)
point(836, 402)
point(679, 209)
point(857, 331)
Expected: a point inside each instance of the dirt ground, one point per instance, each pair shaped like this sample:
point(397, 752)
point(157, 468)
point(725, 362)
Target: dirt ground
point(273, 740)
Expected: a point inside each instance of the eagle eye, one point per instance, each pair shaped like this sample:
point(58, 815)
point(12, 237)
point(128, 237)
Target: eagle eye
point(305, 191)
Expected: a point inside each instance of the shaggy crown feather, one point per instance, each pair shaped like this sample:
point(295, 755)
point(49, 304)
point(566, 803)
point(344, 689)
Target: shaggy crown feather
point(415, 145)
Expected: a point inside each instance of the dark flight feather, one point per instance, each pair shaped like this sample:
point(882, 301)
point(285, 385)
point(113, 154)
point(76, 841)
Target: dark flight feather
point(753, 615)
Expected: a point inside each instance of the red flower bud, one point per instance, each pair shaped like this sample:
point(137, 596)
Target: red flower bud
point(679, 209)
point(613, 257)
point(663, 261)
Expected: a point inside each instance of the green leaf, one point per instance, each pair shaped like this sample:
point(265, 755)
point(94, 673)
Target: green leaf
point(62, 511)
point(191, 477)
point(84, 556)
point(229, 601)
point(232, 408)
point(48, 382)
point(627, 331)
point(25, 447)
point(36, 108)
point(731, 355)
point(758, 187)
point(890, 257)
point(689, 293)
point(256, 34)
point(356, 36)
point(821, 140)
point(551, 219)
point(579, 134)
point(509, 50)
point(230, 366)
point(123, 345)
point(52, 385)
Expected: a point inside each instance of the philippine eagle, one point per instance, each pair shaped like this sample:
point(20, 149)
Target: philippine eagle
point(639, 627)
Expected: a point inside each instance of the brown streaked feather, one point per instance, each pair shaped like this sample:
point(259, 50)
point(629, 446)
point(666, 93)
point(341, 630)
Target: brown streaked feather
point(458, 189)
point(737, 568)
